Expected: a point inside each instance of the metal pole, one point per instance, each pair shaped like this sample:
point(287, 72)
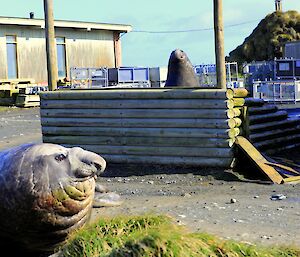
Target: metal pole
point(219, 44)
point(50, 45)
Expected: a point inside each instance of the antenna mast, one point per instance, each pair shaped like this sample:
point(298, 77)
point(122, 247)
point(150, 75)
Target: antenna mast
point(278, 5)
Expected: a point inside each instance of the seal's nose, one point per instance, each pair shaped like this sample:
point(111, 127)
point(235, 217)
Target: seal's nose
point(179, 54)
point(95, 162)
point(100, 165)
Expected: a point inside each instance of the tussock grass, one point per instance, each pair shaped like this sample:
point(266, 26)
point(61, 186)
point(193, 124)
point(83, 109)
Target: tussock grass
point(156, 236)
point(267, 40)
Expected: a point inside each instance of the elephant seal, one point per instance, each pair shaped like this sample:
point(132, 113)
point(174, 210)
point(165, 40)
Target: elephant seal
point(180, 71)
point(46, 192)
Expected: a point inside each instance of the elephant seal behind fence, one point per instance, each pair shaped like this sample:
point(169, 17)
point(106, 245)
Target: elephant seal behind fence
point(180, 71)
point(46, 192)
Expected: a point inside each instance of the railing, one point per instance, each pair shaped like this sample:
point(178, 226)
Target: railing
point(207, 74)
point(277, 91)
point(89, 77)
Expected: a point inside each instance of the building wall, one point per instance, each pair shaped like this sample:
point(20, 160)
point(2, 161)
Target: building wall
point(292, 50)
point(83, 49)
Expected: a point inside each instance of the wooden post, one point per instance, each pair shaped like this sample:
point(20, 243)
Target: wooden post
point(219, 44)
point(50, 45)
point(117, 49)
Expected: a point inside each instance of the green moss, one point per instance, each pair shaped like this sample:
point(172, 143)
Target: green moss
point(268, 38)
point(152, 236)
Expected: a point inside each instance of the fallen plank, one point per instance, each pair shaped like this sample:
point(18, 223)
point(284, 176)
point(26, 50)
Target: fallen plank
point(255, 156)
point(295, 179)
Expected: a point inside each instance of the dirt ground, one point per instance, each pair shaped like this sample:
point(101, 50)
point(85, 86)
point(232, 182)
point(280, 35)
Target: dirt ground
point(206, 200)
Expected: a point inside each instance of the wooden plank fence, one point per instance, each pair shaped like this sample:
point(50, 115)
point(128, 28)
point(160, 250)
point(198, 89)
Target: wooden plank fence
point(150, 126)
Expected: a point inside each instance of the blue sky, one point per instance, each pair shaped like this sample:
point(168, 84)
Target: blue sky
point(150, 49)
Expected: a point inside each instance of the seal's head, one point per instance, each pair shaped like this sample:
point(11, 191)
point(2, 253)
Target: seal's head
point(177, 56)
point(46, 191)
point(180, 71)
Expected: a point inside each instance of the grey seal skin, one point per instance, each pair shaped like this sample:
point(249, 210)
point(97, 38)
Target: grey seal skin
point(180, 71)
point(46, 192)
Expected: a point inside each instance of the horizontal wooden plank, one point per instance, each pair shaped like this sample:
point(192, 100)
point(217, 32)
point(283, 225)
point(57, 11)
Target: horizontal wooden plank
point(280, 142)
point(137, 132)
point(269, 134)
point(137, 93)
point(135, 113)
point(135, 104)
point(262, 109)
point(234, 112)
point(131, 122)
point(239, 102)
point(235, 102)
point(236, 92)
point(138, 141)
point(234, 122)
point(279, 149)
point(250, 101)
point(234, 132)
point(158, 151)
point(262, 118)
point(166, 160)
point(274, 125)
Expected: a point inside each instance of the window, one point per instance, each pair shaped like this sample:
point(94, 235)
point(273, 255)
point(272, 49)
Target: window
point(298, 64)
point(285, 66)
point(11, 55)
point(61, 56)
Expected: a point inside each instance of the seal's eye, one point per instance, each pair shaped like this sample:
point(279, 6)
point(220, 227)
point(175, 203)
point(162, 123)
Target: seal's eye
point(60, 157)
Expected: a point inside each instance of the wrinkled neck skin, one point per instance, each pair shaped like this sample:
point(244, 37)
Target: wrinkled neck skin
point(46, 190)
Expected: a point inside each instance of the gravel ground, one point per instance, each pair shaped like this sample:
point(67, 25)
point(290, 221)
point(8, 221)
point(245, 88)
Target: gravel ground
point(206, 200)
point(18, 126)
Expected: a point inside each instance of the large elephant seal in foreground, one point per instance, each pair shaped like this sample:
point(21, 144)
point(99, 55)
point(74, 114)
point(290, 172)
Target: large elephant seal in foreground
point(180, 71)
point(46, 192)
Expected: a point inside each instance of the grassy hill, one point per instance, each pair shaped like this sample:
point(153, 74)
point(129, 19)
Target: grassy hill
point(267, 40)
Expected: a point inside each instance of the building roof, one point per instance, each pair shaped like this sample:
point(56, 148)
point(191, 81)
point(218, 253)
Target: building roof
point(293, 42)
point(65, 24)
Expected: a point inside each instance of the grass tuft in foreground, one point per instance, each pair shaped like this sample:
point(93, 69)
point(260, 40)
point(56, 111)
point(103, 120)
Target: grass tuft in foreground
point(153, 236)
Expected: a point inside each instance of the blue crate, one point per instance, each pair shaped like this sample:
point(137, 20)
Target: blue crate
point(128, 75)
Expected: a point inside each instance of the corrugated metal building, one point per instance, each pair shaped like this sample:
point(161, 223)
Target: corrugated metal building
point(292, 50)
point(79, 44)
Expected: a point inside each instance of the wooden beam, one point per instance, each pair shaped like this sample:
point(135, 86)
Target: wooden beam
point(158, 151)
point(219, 44)
point(50, 45)
point(136, 122)
point(134, 93)
point(135, 113)
point(255, 156)
point(199, 142)
point(167, 160)
point(135, 132)
point(134, 104)
point(263, 118)
point(236, 92)
point(117, 49)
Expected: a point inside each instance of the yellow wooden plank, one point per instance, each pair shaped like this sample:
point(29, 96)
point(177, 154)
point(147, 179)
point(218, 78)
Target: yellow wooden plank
point(258, 159)
point(295, 179)
point(289, 169)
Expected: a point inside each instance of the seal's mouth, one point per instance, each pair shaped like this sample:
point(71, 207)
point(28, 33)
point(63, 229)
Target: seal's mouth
point(179, 55)
point(88, 169)
point(85, 164)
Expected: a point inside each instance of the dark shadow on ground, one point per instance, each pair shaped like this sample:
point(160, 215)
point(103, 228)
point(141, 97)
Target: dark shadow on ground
point(125, 170)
